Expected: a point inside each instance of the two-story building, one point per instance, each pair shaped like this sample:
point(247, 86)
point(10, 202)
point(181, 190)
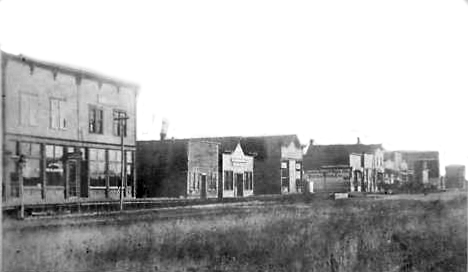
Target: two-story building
point(67, 125)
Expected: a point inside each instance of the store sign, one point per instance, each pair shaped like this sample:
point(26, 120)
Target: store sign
point(54, 168)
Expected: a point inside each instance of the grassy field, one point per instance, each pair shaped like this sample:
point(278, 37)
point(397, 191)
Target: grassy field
point(395, 233)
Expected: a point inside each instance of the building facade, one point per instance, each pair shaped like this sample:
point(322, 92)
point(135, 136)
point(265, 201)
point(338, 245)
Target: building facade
point(247, 165)
point(178, 168)
point(64, 123)
point(237, 173)
point(422, 166)
point(455, 177)
point(277, 163)
point(357, 167)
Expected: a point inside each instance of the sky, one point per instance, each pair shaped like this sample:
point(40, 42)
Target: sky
point(391, 72)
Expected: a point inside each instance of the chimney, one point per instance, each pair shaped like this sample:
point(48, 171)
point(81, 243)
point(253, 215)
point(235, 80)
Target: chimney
point(311, 141)
point(164, 126)
point(358, 140)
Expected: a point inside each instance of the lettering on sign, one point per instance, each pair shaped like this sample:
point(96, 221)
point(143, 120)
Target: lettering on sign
point(54, 168)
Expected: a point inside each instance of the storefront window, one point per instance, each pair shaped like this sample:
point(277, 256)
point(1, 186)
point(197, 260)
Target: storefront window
point(248, 181)
point(129, 168)
point(228, 180)
point(32, 167)
point(115, 168)
point(212, 182)
point(97, 167)
point(54, 165)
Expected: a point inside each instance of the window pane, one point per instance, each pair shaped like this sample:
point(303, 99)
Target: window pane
point(32, 172)
point(54, 172)
point(58, 152)
point(49, 151)
point(25, 148)
point(129, 157)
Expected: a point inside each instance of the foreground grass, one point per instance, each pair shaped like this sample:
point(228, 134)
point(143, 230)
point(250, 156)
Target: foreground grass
point(300, 235)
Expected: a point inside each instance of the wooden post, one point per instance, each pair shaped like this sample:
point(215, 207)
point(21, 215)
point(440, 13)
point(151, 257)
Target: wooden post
point(1, 157)
point(122, 118)
point(21, 188)
point(122, 158)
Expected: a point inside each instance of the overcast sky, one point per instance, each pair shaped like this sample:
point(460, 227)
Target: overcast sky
point(391, 72)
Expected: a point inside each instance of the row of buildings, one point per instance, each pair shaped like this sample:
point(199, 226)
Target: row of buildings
point(69, 135)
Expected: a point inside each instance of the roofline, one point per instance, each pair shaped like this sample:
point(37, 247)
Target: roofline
point(69, 70)
point(220, 137)
point(177, 140)
point(416, 151)
point(314, 145)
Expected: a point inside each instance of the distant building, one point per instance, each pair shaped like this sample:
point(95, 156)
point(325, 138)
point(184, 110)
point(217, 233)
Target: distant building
point(343, 168)
point(62, 121)
point(455, 177)
point(177, 168)
point(422, 166)
point(277, 162)
point(396, 169)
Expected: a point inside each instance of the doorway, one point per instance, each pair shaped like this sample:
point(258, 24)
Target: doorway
point(240, 184)
point(73, 178)
point(203, 186)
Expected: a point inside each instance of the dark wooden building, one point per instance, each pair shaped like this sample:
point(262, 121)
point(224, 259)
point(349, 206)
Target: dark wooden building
point(177, 168)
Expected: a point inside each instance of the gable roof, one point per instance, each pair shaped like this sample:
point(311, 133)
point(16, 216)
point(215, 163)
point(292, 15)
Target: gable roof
point(327, 155)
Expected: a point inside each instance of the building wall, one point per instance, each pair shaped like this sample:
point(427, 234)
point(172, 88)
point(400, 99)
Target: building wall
point(238, 163)
point(292, 156)
point(162, 169)
point(331, 180)
point(49, 105)
point(267, 171)
point(455, 177)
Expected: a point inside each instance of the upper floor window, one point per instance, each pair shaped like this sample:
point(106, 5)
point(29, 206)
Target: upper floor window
point(95, 120)
point(120, 123)
point(28, 109)
point(57, 114)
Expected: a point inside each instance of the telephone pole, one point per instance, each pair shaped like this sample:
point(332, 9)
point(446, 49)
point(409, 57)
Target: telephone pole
point(122, 118)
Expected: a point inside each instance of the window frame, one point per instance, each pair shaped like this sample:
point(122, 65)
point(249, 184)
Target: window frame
point(92, 160)
point(54, 158)
point(116, 123)
point(62, 121)
point(31, 119)
point(92, 126)
point(228, 180)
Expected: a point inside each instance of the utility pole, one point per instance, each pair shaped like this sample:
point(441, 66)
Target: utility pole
point(21, 185)
point(1, 158)
point(122, 118)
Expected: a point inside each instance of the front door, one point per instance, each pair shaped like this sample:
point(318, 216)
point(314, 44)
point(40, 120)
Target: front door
point(73, 178)
point(284, 176)
point(240, 184)
point(203, 186)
